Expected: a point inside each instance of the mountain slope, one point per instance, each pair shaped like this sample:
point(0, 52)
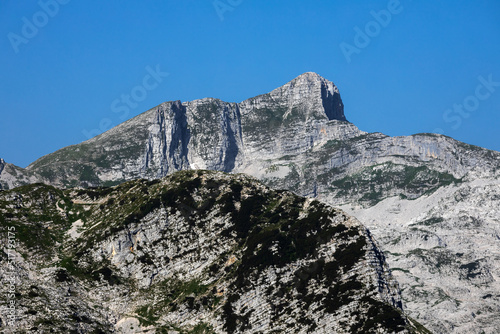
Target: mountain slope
point(12, 176)
point(207, 134)
point(197, 252)
point(443, 249)
point(297, 138)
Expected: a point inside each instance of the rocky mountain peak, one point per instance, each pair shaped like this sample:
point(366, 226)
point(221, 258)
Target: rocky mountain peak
point(307, 97)
point(419, 195)
point(309, 77)
point(12, 176)
point(311, 86)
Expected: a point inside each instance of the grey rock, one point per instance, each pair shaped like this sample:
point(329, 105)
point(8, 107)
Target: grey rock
point(196, 251)
point(12, 176)
point(297, 138)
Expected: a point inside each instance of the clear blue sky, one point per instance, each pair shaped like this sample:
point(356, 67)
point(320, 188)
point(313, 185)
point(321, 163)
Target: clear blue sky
point(63, 67)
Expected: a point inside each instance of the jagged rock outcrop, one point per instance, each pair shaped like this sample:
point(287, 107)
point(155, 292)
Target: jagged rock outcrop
point(12, 176)
point(216, 136)
point(197, 252)
point(297, 138)
point(443, 249)
point(206, 133)
point(166, 148)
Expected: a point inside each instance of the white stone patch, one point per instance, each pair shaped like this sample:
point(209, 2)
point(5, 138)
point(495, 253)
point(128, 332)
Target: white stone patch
point(130, 326)
point(93, 226)
point(428, 259)
point(279, 171)
point(61, 210)
point(74, 232)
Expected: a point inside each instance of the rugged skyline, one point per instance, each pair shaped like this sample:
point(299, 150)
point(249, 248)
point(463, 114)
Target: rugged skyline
point(429, 200)
point(71, 79)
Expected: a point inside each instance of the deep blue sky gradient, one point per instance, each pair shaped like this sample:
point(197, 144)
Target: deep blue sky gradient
point(63, 80)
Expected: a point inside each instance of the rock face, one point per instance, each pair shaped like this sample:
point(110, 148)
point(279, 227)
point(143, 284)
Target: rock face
point(12, 176)
point(443, 249)
point(195, 252)
point(430, 200)
point(203, 134)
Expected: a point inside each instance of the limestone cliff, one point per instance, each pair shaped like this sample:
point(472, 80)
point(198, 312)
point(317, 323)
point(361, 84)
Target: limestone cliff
point(431, 200)
point(195, 252)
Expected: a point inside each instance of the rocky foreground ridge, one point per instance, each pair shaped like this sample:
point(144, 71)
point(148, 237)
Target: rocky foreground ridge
point(194, 252)
point(431, 201)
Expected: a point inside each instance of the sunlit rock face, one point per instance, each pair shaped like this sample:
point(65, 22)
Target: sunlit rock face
point(12, 176)
point(206, 133)
point(194, 252)
point(430, 200)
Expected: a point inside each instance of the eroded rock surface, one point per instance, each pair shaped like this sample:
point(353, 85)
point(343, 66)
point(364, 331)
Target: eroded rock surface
point(429, 199)
point(197, 252)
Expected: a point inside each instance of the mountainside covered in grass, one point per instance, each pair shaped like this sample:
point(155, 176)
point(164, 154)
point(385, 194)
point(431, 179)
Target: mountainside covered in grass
point(195, 252)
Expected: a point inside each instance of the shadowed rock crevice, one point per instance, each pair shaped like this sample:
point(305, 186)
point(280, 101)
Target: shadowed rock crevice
point(332, 103)
point(178, 151)
point(167, 146)
point(234, 141)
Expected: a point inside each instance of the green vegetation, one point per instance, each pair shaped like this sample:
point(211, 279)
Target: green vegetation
point(171, 294)
point(472, 269)
point(88, 174)
point(265, 120)
point(205, 126)
point(272, 169)
point(268, 228)
point(380, 315)
point(96, 272)
point(374, 183)
point(146, 315)
point(35, 219)
point(201, 328)
point(436, 258)
point(417, 327)
point(76, 165)
point(341, 294)
point(430, 222)
point(442, 296)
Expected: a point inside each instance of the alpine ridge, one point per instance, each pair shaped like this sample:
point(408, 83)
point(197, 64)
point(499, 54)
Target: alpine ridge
point(195, 252)
point(202, 134)
point(430, 201)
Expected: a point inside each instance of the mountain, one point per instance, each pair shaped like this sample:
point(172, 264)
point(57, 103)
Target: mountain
point(194, 252)
point(431, 201)
point(443, 250)
point(202, 134)
point(12, 176)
